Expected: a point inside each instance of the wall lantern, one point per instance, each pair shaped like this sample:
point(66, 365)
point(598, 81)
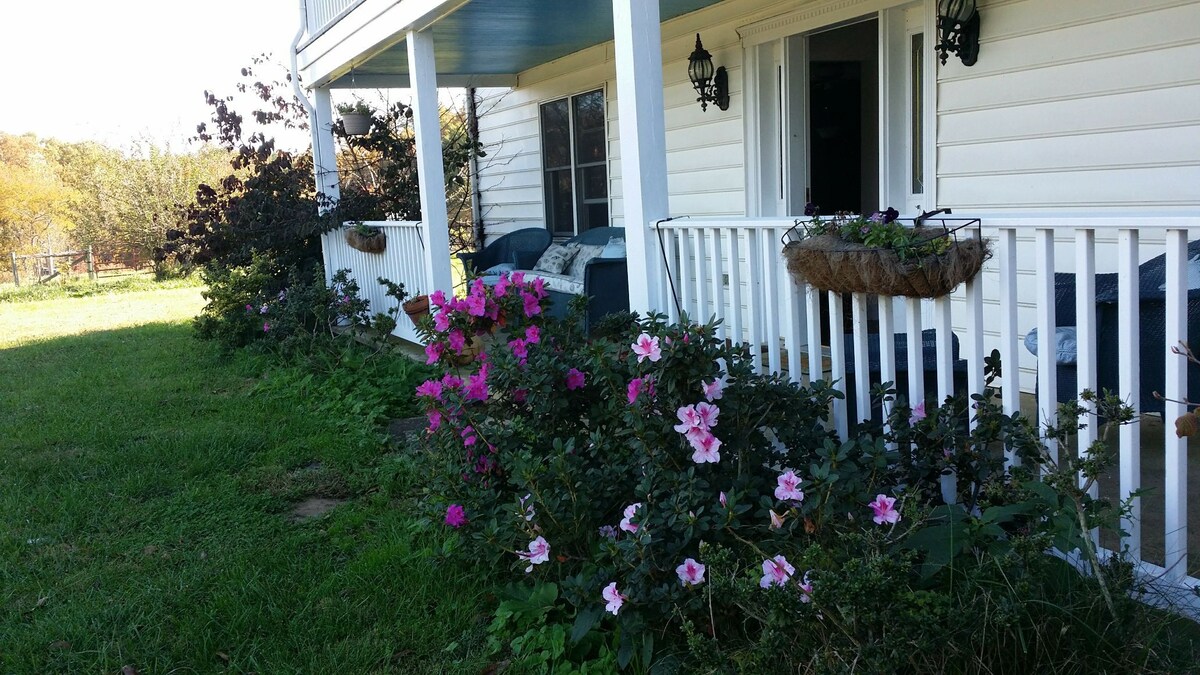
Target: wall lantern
point(713, 87)
point(958, 23)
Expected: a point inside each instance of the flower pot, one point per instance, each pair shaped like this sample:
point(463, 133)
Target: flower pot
point(356, 124)
point(372, 241)
point(831, 263)
point(416, 308)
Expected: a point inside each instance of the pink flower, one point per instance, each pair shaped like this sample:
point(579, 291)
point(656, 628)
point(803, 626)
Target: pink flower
point(539, 552)
point(433, 352)
point(707, 448)
point(435, 420)
point(713, 390)
point(707, 413)
point(456, 341)
point(885, 510)
point(647, 347)
point(477, 387)
point(519, 349)
point(501, 287)
point(468, 435)
point(723, 500)
point(437, 299)
point(441, 322)
point(520, 395)
point(918, 413)
point(627, 523)
point(431, 389)
point(455, 516)
point(530, 304)
point(249, 308)
point(575, 379)
point(533, 335)
point(789, 487)
point(517, 278)
point(476, 304)
point(539, 287)
point(689, 419)
point(806, 589)
point(451, 381)
point(266, 327)
point(690, 573)
point(529, 510)
point(613, 599)
point(776, 572)
point(634, 388)
point(776, 520)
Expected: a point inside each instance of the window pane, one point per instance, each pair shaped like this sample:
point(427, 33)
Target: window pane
point(559, 202)
point(593, 182)
point(918, 113)
point(593, 215)
point(556, 135)
point(589, 127)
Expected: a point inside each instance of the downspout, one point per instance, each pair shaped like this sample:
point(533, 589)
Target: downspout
point(473, 166)
point(296, 89)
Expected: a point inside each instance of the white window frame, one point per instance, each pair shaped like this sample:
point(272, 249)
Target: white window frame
point(575, 167)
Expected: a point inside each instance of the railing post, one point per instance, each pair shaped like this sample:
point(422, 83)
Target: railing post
point(427, 128)
point(91, 264)
point(638, 46)
point(15, 269)
point(325, 170)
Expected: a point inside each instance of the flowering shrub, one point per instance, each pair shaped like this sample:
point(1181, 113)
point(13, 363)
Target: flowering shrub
point(669, 489)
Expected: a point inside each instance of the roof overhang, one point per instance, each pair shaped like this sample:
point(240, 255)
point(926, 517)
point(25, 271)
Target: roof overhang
point(482, 43)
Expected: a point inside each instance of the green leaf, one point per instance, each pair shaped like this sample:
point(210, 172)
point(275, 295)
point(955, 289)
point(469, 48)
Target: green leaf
point(585, 621)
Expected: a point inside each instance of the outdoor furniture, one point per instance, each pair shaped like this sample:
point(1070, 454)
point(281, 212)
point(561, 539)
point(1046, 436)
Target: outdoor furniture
point(520, 249)
point(929, 368)
point(1152, 332)
point(595, 271)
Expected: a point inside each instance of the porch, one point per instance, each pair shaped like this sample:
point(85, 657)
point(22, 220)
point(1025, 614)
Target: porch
point(731, 268)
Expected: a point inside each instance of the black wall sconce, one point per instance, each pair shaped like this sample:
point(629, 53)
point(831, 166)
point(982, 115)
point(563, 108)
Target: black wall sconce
point(958, 24)
point(713, 87)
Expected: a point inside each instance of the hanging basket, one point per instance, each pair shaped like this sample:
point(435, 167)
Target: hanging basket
point(373, 241)
point(356, 124)
point(831, 263)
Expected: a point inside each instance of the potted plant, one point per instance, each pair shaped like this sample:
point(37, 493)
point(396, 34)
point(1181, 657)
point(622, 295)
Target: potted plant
point(363, 237)
point(417, 307)
point(878, 254)
point(356, 117)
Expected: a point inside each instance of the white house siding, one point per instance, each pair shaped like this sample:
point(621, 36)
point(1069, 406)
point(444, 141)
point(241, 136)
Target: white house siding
point(1075, 109)
point(705, 155)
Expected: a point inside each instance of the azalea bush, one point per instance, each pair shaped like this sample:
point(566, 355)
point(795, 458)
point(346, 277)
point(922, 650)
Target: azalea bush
point(692, 513)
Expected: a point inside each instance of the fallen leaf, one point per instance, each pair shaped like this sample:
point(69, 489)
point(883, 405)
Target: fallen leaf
point(1187, 425)
point(223, 656)
point(129, 670)
point(60, 644)
point(150, 550)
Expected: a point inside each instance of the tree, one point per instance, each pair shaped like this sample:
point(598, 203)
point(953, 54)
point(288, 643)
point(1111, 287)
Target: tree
point(35, 206)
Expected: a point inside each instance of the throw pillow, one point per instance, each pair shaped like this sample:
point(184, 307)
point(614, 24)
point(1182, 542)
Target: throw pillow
point(586, 253)
point(496, 270)
point(556, 258)
point(615, 248)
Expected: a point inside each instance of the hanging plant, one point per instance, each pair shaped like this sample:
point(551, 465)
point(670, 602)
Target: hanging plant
point(356, 117)
point(365, 238)
point(879, 254)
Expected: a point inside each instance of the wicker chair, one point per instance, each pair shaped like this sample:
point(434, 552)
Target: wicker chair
point(1152, 332)
point(522, 248)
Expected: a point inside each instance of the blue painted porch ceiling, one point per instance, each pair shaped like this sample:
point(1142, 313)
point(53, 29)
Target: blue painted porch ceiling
point(505, 37)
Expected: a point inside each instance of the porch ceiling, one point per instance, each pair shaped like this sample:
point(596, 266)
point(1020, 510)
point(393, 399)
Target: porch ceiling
point(485, 40)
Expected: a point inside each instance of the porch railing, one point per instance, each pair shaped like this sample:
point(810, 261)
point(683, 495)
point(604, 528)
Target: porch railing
point(322, 13)
point(403, 261)
point(734, 270)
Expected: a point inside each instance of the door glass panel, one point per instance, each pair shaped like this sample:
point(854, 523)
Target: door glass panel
point(917, 145)
point(556, 135)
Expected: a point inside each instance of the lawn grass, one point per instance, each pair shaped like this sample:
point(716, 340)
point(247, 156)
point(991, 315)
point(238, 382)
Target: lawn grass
point(78, 287)
point(146, 495)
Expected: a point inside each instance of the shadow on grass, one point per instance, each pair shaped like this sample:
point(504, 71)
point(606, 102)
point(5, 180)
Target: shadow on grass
point(144, 495)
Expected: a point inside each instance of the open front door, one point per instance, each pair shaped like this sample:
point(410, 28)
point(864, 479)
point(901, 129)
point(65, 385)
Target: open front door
point(840, 117)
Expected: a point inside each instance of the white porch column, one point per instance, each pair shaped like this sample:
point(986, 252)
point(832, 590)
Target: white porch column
point(422, 76)
point(643, 143)
point(324, 147)
point(325, 170)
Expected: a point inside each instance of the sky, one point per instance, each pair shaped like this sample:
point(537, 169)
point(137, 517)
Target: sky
point(118, 70)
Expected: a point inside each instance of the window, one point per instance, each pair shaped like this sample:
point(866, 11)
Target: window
point(574, 163)
point(917, 107)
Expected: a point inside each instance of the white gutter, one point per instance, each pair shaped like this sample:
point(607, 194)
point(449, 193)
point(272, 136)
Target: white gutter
point(296, 89)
